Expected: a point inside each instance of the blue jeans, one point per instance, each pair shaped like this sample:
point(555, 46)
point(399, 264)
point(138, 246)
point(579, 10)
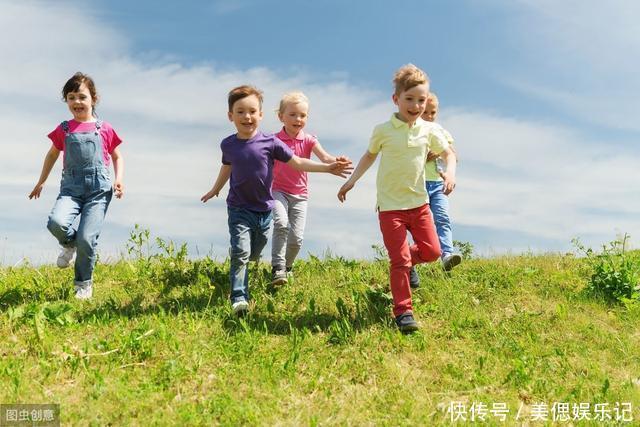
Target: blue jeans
point(249, 231)
point(439, 204)
point(86, 193)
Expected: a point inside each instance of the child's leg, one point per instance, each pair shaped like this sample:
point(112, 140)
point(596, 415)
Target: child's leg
point(240, 240)
point(61, 219)
point(260, 233)
point(393, 225)
point(297, 222)
point(420, 225)
point(280, 230)
point(439, 204)
point(91, 220)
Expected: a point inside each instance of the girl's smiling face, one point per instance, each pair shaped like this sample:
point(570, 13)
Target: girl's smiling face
point(81, 104)
point(294, 117)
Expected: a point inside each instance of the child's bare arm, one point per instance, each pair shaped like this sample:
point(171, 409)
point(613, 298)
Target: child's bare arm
point(431, 156)
point(118, 167)
point(449, 157)
point(223, 177)
point(321, 154)
point(339, 167)
point(367, 159)
point(49, 161)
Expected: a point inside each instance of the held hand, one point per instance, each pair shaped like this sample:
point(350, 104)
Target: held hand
point(449, 183)
point(35, 193)
point(118, 189)
point(342, 193)
point(209, 195)
point(431, 156)
point(343, 159)
point(341, 168)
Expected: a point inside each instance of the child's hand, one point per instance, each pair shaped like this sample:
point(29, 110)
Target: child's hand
point(431, 156)
point(342, 193)
point(209, 195)
point(341, 168)
point(343, 159)
point(35, 193)
point(449, 183)
point(118, 189)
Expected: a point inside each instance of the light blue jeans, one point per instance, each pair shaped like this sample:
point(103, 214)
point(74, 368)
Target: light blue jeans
point(439, 204)
point(249, 231)
point(87, 193)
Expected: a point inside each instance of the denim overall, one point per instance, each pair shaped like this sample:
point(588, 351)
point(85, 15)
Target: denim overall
point(85, 190)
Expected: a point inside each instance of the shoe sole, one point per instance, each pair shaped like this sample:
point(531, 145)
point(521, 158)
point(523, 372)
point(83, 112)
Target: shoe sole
point(408, 328)
point(277, 282)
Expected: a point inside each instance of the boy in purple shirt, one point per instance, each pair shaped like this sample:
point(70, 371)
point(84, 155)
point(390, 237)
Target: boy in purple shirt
point(247, 159)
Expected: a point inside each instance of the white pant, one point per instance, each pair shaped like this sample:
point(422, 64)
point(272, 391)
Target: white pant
point(289, 219)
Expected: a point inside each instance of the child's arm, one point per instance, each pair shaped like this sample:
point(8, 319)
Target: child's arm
point(368, 158)
point(118, 167)
point(339, 167)
point(326, 157)
point(449, 157)
point(49, 161)
point(431, 156)
point(223, 177)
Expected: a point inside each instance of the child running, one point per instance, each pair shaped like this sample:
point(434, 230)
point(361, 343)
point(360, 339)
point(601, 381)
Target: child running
point(290, 190)
point(89, 145)
point(248, 158)
point(403, 143)
point(436, 175)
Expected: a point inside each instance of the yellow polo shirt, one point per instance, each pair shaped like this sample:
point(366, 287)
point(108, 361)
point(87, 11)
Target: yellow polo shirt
point(431, 168)
point(403, 153)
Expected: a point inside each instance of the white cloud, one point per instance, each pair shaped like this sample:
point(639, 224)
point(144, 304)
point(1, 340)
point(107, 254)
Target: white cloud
point(581, 58)
point(520, 176)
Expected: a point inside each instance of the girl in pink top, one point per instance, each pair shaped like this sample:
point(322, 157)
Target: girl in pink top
point(290, 186)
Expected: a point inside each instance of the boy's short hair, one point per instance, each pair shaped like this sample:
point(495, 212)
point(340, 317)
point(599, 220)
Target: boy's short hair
point(433, 98)
point(407, 77)
point(240, 92)
point(292, 98)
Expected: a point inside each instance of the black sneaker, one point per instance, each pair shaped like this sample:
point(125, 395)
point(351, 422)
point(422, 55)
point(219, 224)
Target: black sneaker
point(414, 279)
point(406, 323)
point(278, 277)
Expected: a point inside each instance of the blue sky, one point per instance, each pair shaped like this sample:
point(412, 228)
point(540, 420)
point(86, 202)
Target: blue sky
point(540, 96)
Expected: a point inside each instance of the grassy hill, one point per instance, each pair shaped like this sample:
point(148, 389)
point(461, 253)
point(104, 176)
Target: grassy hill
point(158, 344)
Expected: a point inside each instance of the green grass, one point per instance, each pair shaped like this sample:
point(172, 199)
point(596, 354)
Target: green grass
point(158, 345)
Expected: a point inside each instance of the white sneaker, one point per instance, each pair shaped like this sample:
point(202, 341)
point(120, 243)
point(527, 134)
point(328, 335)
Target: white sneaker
point(450, 260)
point(240, 308)
point(84, 291)
point(65, 257)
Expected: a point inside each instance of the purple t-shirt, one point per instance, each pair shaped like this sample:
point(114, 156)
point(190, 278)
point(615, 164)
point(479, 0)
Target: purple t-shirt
point(251, 163)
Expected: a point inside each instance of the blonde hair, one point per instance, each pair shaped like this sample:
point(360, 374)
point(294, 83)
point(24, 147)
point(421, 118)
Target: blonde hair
point(292, 98)
point(433, 98)
point(407, 77)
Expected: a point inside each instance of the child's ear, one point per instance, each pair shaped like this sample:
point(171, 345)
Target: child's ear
point(230, 115)
point(394, 97)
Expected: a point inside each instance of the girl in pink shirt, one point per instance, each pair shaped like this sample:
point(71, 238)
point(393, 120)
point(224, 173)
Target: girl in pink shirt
point(89, 146)
point(290, 186)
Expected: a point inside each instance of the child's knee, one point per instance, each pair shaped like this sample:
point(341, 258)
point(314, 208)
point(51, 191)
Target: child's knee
point(429, 253)
point(57, 225)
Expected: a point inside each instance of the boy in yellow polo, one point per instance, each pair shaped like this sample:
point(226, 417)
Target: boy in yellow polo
point(402, 200)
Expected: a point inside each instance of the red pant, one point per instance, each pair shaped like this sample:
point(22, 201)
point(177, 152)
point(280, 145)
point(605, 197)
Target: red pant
point(394, 226)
